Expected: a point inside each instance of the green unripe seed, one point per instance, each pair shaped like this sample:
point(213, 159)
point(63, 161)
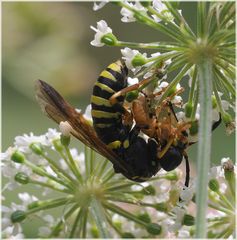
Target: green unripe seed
point(130, 96)
point(65, 140)
point(162, 207)
point(18, 216)
point(149, 190)
point(153, 228)
point(139, 60)
point(144, 217)
point(109, 39)
point(145, 3)
point(58, 145)
point(36, 148)
point(172, 176)
point(18, 157)
point(22, 178)
point(127, 235)
point(188, 109)
point(214, 185)
point(227, 118)
point(188, 220)
point(214, 102)
point(95, 232)
point(194, 128)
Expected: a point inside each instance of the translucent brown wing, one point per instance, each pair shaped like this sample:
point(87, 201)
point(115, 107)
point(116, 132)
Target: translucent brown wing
point(56, 108)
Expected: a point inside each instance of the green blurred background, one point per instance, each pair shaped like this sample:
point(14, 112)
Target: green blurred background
point(51, 41)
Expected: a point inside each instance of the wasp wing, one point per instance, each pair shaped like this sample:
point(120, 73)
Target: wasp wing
point(56, 108)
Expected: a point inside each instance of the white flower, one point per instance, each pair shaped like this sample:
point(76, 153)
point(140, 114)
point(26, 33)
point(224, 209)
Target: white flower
point(183, 234)
point(162, 10)
point(52, 134)
point(87, 114)
point(186, 193)
point(216, 172)
point(177, 101)
point(132, 81)
point(179, 215)
point(101, 30)
point(100, 5)
point(45, 231)
point(129, 55)
point(128, 16)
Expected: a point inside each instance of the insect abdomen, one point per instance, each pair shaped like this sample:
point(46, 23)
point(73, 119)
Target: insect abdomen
point(107, 120)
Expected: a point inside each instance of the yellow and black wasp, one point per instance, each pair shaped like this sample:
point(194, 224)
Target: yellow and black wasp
point(114, 134)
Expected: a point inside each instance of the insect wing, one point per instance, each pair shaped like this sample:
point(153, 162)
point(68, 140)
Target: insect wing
point(56, 108)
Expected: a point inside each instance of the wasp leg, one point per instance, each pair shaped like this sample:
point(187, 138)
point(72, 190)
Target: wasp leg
point(165, 149)
point(187, 178)
point(113, 98)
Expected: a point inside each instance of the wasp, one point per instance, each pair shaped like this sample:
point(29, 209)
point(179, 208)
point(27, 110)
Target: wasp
point(136, 149)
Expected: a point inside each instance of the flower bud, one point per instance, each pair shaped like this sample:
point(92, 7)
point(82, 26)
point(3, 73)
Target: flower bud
point(36, 148)
point(227, 118)
point(162, 207)
point(188, 220)
point(18, 157)
point(95, 232)
point(149, 190)
point(139, 60)
point(214, 185)
point(34, 204)
point(130, 96)
point(172, 176)
point(22, 178)
point(65, 140)
point(214, 102)
point(18, 216)
point(193, 130)
point(188, 109)
point(153, 228)
point(57, 145)
point(144, 217)
point(128, 235)
point(109, 39)
point(145, 3)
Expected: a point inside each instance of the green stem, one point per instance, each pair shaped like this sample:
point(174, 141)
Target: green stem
point(156, 45)
point(92, 159)
point(204, 69)
point(76, 223)
point(58, 228)
point(47, 185)
point(73, 165)
point(100, 218)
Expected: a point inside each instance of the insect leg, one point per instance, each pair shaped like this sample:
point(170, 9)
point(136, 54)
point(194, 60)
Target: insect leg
point(187, 178)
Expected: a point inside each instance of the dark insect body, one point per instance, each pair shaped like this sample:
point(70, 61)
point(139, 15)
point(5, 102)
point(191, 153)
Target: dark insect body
point(112, 134)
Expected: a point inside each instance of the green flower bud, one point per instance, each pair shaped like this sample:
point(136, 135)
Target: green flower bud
point(18, 216)
point(162, 207)
point(227, 118)
point(153, 228)
point(193, 130)
point(172, 176)
point(34, 204)
point(144, 217)
point(149, 190)
point(130, 96)
point(109, 39)
point(22, 178)
point(188, 109)
point(214, 102)
point(18, 157)
point(95, 232)
point(214, 185)
point(139, 60)
point(128, 235)
point(65, 140)
point(188, 220)
point(145, 3)
point(36, 148)
point(58, 145)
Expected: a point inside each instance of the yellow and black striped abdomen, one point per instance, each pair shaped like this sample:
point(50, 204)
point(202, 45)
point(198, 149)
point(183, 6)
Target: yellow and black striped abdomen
point(107, 119)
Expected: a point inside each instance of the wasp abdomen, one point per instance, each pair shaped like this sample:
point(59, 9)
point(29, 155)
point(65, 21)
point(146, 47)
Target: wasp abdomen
point(107, 120)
